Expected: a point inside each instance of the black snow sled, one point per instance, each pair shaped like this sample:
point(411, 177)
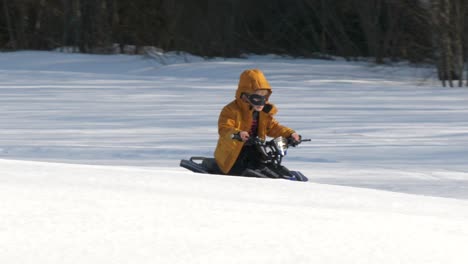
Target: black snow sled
point(271, 155)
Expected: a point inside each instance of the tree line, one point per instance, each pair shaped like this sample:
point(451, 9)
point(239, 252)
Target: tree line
point(430, 31)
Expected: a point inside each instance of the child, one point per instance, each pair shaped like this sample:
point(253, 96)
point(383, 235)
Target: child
point(249, 115)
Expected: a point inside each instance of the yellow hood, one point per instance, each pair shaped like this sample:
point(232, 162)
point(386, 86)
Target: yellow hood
point(250, 81)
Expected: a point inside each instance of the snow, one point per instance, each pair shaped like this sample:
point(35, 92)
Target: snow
point(90, 148)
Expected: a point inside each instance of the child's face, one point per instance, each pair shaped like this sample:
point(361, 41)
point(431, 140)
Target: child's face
point(258, 108)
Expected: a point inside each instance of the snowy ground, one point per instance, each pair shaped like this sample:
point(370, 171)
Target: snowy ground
point(131, 119)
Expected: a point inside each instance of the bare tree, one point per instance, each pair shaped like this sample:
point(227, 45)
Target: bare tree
point(9, 24)
point(449, 24)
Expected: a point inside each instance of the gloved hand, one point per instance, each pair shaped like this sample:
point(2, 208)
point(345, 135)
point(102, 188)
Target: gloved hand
point(294, 139)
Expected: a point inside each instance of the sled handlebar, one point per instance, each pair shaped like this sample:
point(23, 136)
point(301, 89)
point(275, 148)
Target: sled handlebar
point(236, 137)
point(292, 142)
point(255, 140)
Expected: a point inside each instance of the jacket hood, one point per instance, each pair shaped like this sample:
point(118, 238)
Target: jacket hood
point(250, 81)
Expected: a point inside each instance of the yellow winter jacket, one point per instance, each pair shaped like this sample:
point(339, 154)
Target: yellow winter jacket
point(237, 116)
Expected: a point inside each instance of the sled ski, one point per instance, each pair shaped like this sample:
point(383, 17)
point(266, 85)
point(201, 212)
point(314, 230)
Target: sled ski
point(202, 165)
point(271, 152)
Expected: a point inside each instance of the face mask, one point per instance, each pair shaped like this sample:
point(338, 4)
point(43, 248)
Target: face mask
point(256, 99)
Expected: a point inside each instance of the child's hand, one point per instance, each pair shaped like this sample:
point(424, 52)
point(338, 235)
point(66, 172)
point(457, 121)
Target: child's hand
point(244, 135)
point(296, 137)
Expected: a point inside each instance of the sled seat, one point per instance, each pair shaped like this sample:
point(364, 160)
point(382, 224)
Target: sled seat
point(201, 165)
point(211, 166)
point(194, 166)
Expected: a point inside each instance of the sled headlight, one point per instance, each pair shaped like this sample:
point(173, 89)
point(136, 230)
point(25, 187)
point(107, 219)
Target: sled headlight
point(281, 145)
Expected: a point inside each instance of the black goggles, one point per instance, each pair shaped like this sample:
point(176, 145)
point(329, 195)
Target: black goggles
point(256, 99)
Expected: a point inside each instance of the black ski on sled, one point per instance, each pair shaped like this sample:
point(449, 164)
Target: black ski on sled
point(271, 152)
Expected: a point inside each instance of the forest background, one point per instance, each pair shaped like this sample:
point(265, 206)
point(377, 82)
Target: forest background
point(433, 32)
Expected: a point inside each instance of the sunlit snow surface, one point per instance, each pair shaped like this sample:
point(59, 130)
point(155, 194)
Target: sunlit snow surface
point(378, 128)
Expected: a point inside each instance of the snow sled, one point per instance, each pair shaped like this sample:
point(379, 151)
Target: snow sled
point(271, 155)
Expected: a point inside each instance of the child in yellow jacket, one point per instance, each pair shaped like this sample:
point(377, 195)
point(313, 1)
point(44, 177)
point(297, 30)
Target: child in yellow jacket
point(249, 115)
